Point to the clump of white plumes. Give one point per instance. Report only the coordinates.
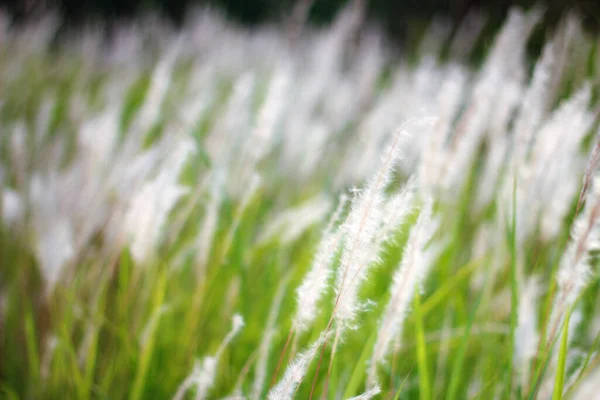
(546, 161)
(415, 264)
(316, 280)
(504, 62)
(204, 372)
(557, 153)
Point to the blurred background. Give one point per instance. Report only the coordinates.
(397, 17)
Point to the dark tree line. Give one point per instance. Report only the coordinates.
(394, 15)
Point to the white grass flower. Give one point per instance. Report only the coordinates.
(360, 230)
(434, 154)
(223, 141)
(534, 105)
(415, 264)
(316, 280)
(149, 113)
(54, 241)
(294, 373)
(395, 210)
(262, 139)
(369, 394)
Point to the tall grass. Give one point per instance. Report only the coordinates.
(222, 213)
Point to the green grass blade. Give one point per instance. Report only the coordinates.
(424, 382)
(33, 359)
(457, 365)
(514, 298)
(358, 374)
(397, 396)
(559, 380)
(148, 345)
(449, 287)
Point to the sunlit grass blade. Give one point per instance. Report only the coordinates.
(424, 382)
(559, 380)
(33, 359)
(358, 374)
(147, 347)
(514, 290)
(459, 358)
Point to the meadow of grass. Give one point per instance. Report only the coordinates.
(217, 213)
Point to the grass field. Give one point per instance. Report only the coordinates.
(218, 213)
